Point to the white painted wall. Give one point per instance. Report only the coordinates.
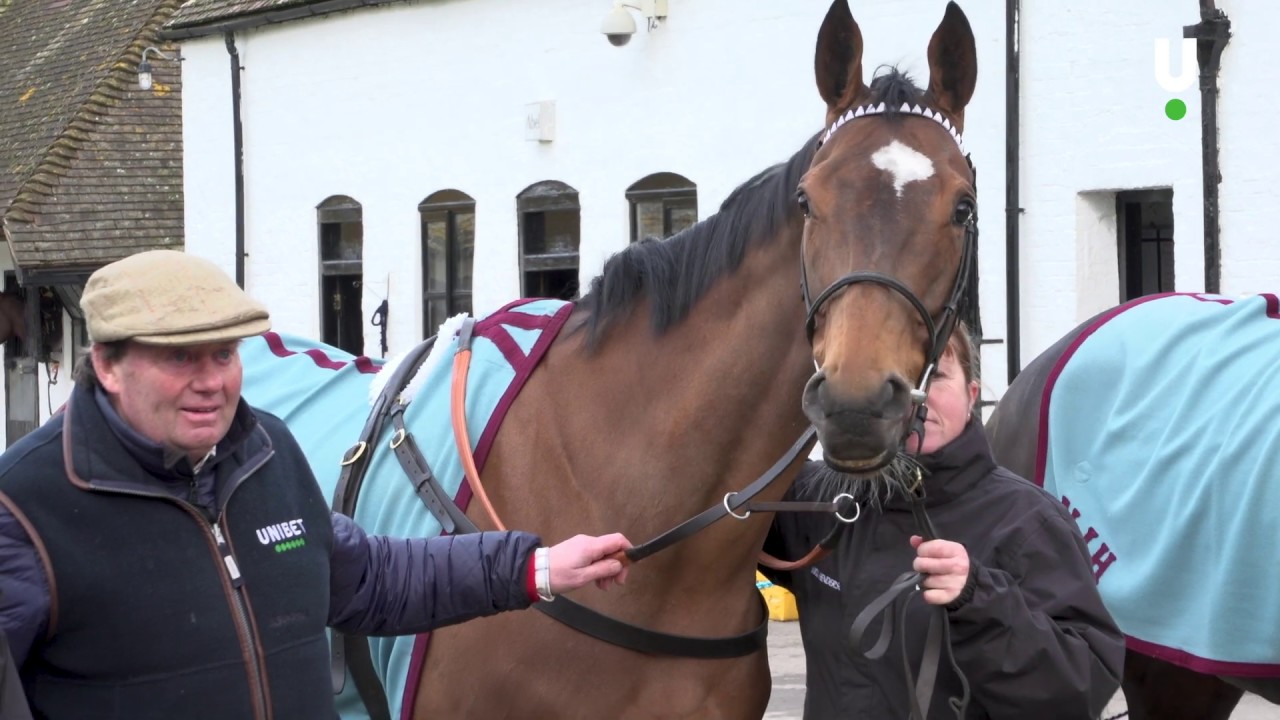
(1248, 117)
(390, 104)
(1093, 123)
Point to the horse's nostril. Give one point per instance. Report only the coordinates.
(817, 383)
(885, 396)
(901, 388)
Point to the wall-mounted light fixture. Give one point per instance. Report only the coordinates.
(619, 26)
(144, 68)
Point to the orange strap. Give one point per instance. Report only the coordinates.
(458, 398)
(817, 553)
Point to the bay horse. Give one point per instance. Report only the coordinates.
(13, 322)
(1154, 422)
(685, 372)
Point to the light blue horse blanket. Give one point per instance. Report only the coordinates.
(324, 395)
(1159, 431)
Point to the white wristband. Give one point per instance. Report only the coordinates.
(542, 573)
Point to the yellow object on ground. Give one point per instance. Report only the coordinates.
(782, 604)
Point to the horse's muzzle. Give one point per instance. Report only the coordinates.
(858, 435)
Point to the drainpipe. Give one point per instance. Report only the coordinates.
(1012, 211)
(238, 153)
(1211, 35)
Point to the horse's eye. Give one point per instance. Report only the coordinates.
(803, 200)
(963, 212)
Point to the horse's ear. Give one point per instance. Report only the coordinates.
(953, 64)
(837, 62)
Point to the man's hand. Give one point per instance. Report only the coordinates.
(582, 559)
(945, 565)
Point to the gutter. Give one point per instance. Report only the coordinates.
(247, 22)
(1012, 210)
(237, 132)
(1211, 35)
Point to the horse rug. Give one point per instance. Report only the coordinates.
(324, 394)
(1159, 433)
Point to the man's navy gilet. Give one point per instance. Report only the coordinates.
(144, 618)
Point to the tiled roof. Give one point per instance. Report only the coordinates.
(199, 17)
(90, 166)
(200, 12)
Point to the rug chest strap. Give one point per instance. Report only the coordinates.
(350, 651)
(425, 485)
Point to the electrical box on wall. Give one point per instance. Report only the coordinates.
(540, 121)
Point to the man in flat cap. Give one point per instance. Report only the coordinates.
(131, 581)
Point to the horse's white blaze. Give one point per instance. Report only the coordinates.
(904, 163)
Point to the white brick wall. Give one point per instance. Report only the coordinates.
(1093, 120)
(390, 104)
(1249, 118)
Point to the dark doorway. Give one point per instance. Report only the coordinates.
(342, 326)
(341, 273)
(1144, 224)
(21, 379)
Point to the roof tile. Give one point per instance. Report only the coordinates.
(90, 166)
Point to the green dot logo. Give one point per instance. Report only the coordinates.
(1175, 109)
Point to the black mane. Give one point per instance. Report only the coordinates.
(894, 87)
(676, 272)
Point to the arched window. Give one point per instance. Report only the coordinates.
(662, 204)
(341, 253)
(448, 250)
(550, 232)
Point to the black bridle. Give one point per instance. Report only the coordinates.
(938, 638)
(939, 332)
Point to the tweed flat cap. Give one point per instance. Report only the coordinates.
(165, 297)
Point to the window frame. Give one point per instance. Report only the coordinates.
(542, 197)
(672, 190)
(451, 204)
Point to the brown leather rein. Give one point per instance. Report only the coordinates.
(733, 501)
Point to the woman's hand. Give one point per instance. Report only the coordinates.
(583, 559)
(945, 565)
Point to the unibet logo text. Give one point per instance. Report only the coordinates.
(1176, 109)
(285, 536)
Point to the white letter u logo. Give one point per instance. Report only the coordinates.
(1187, 77)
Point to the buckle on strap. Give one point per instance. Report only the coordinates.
(353, 453)
(729, 510)
(857, 509)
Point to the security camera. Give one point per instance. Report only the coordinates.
(618, 26)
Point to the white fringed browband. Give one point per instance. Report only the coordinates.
(906, 108)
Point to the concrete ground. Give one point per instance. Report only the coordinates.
(786, 659)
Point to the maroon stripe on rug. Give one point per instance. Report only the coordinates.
(1202, 665)
(521, 320)
(1042, 441)
(1206, 298)
(507, 345)
(523, 369)
(363, 363)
